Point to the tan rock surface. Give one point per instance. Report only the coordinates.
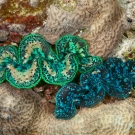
(25, 113)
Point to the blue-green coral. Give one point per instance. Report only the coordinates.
(115, 77)
(35, 60)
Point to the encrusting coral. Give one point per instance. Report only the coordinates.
(25, 113)
(102, 22)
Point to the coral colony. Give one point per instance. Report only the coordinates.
(35, 60)
(67, 67)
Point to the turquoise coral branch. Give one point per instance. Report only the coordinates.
(35, 60)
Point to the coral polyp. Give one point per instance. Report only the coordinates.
(35, 60)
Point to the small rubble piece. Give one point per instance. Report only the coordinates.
(50, 93)
(17, 27)
(133, 92)
(33, 3)
(47, 91)
(14, 37)
(2, 2)
(3, 35)
(39, 90)
(110, 100)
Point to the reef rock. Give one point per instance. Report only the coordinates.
(100, 22)
(25, 113)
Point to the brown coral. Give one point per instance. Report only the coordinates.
(25, 113)
(103, 23)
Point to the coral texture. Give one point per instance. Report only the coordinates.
(24, 113)
(102, 22)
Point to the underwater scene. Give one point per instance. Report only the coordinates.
(67, 67)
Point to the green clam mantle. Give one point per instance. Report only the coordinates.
(35, 60)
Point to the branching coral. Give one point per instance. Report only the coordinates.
(35, 60)
(103, 20)
(115, 77)
(24, 113)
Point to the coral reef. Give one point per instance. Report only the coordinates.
(50, 93)
(17, 27)
(102, 22)
(35, 60)
(33, 3)
(25, 113)
(115, 78)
